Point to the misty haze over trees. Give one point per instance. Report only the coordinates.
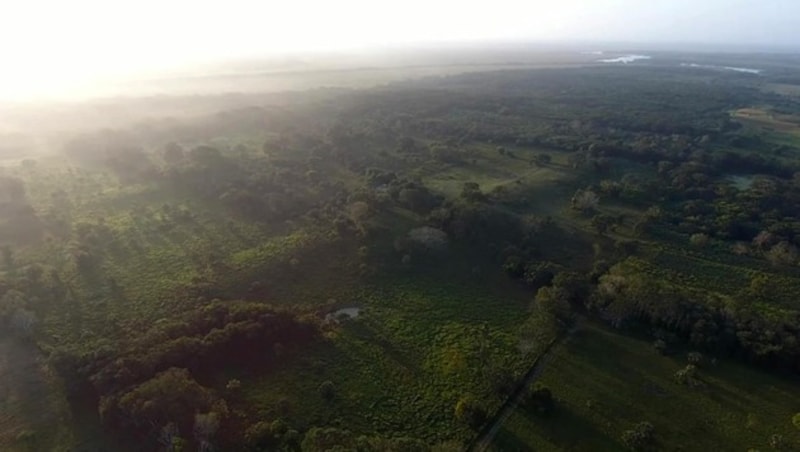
(494, 246)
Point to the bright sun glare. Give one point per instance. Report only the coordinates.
(56, 48)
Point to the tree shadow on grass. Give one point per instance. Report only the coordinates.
(567, 430)
(509, 441)
(366, 333)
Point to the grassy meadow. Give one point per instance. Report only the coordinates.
(605, 383)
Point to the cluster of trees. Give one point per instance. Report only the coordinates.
(682, 130)
(724, 326)
(470, 412)
(641, 437)
(152, 385)
(15, 316)
(516, 242)
(260, 188)
(695, 187)
(26, 292)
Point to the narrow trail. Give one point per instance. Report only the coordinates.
(489, 431)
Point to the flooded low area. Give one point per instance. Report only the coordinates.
(741, 182)
(625, 59)
(351, 312)
(745, 70)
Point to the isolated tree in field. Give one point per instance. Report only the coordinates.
(205, 427)
(233, 387)
(784, 253)
(539, 274)
(752, 422)
(170, 396)
(777, 442)
(169, 438)
(575, 286)
(740, 249)
(699, 240)
(471, 191)
(653, 213)
(761, 287)
(358, 212)
(585, 201)
(469, 412)
(640, 437)
(796, 420)
(687, 375)
(430, 239)
(694, 358)
(763, 240)
(260, 436)
(554, 301)
(610, 188)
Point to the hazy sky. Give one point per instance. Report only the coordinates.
(47, 44)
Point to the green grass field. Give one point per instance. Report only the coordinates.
(421, 342)
(490, 170)
(605, 383)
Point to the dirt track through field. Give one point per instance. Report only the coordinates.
(489, 431)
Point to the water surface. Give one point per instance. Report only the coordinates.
(625, 59)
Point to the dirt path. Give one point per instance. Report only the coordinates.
(488, 432)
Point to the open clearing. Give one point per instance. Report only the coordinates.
(602, 379)
(769, 120)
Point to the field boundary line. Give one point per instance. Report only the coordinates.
(487, 434)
